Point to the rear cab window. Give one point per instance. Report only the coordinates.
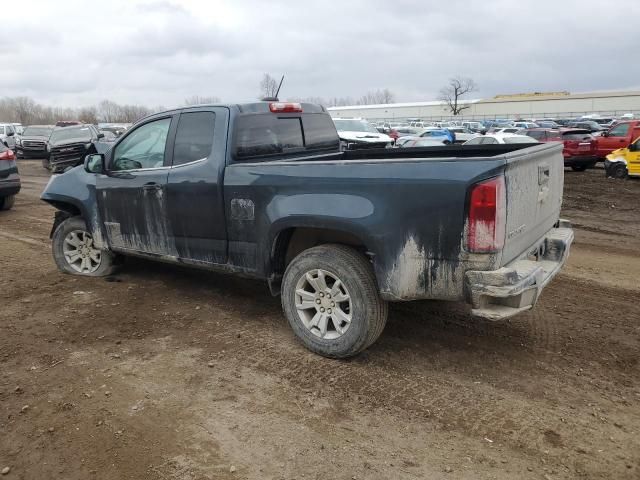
(262, 136)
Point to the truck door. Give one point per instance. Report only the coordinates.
(132, 194)
(617, 137)
(195, 208)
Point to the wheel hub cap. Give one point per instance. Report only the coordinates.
(323, 304)
(80, 253)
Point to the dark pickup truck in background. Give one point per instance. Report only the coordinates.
(69, 145)
(263, 190)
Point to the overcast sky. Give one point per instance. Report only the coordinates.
(76, 52)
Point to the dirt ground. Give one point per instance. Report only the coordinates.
(163, 372)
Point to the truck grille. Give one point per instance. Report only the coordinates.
(33, 145)
(365, 145)
(68, 153)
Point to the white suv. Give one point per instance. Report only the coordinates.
(8, 134)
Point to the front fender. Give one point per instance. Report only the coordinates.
(75, 192)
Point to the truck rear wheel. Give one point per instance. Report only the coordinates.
(578, 168)
(330, 298)
(74, 251)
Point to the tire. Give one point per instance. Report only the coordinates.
(618, 171)
(366, 310)
(578, 168)
(6, 203)
(91, 265)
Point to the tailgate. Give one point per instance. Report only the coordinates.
(534, 180)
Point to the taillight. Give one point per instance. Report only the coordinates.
(7, 155)
(285, 107)
(487, 216)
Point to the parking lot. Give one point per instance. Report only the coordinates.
(171, 373)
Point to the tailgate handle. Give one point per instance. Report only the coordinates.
(543, 174)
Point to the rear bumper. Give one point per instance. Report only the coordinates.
(9, 187)
(516, 287)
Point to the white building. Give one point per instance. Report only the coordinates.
(533, 105)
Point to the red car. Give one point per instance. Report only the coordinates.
(618, 136)
(580, 147)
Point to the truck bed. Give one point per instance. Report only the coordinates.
(407, 206)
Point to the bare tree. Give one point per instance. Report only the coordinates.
(109, 111)
(87, 115)
(198, 100)
(268, 86)
(450, 95)
(376, 97)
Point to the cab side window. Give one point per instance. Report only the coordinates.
(143, 148)
(619, 130)
(194, 138)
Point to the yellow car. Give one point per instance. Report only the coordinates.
(624, 161)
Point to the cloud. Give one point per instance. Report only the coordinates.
(71, 52)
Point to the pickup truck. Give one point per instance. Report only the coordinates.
(263, 190)
(619, 136)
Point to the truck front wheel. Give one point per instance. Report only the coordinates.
(74, 251)
(330, 298)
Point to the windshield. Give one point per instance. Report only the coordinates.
(354, 126)
(67, 133)
(37, 131)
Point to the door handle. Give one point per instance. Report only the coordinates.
(150, 186)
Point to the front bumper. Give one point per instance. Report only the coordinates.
(516, 287)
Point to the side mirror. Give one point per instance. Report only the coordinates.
(605, 134)
(10, 134)
(101, 135)
(633, 147)
(94, 163)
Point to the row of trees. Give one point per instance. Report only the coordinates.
(28, 112)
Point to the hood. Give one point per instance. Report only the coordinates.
(364, 136)
(621, 152)
(69, 141)
(40, 138)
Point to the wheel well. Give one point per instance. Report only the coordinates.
(66, 207)
(292, 241)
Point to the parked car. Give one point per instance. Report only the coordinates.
(33, 142)
(356, 133)
(434, 133)
(624, 161)
(421, 142)
(500, 139)
(461, 134)
(496, 130)
(9, 177)
(580, 147)
(564, 122)
(335, 233)
(475, 127)
(547, 124)
(67, 123)
(619, 136)
(525, 125)
(68, 146)
(590, 125)
(7, 135)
